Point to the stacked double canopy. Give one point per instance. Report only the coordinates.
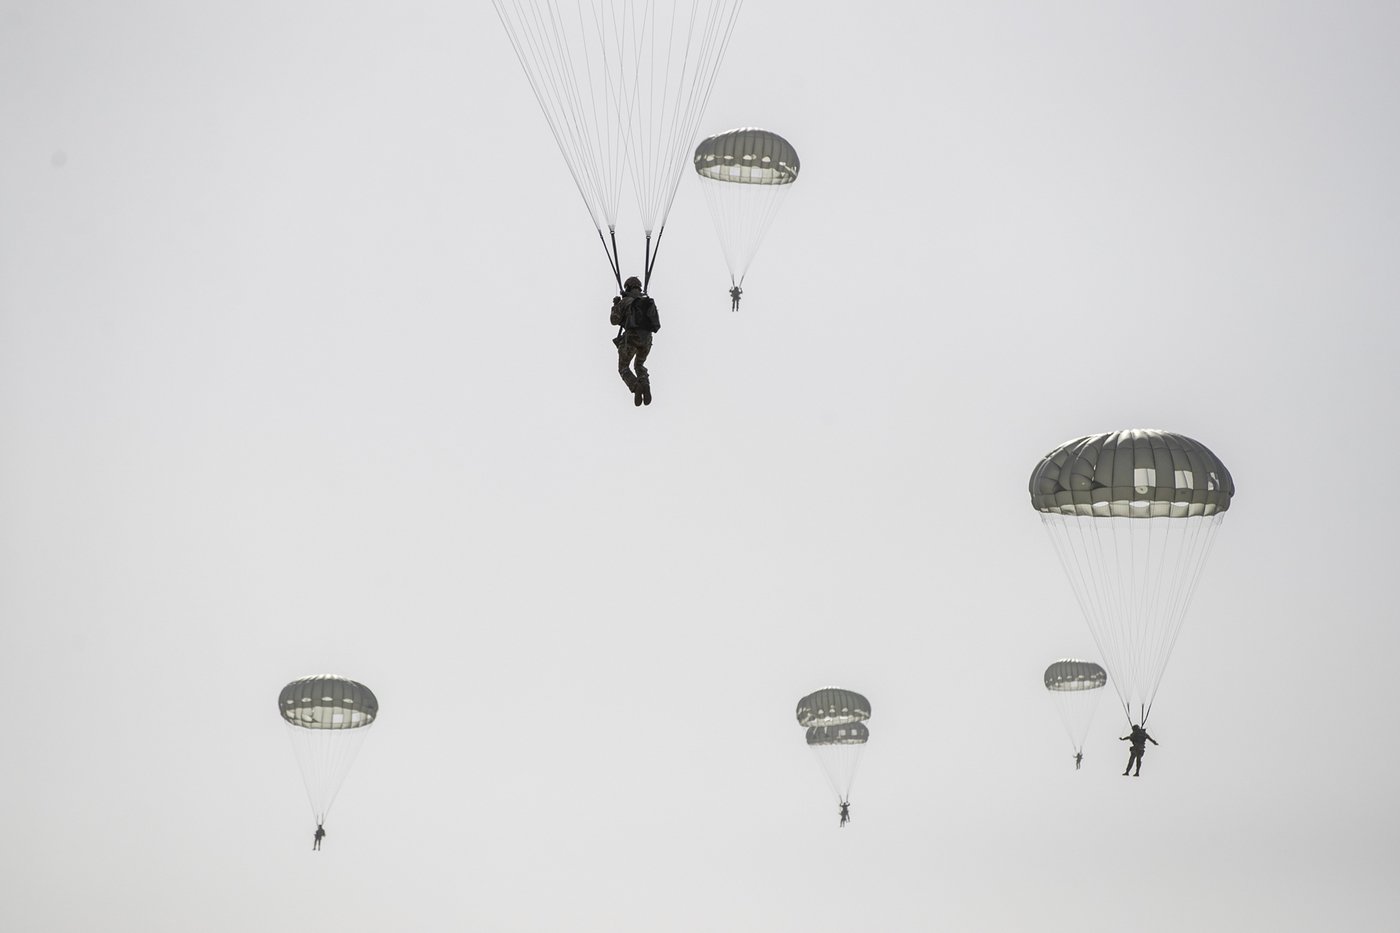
(836, 733)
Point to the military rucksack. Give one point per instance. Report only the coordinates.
(639, 313)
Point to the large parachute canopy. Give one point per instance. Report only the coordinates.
(622, 84)
(1132, 515)
(1075, 688)
(745, 175)
(836, 734)
(327, 718)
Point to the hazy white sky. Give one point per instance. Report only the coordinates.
(304, 366)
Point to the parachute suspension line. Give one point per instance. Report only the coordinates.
(651, 256)
(544, 45)
(1195, 555)
(612, 255)
(1080, 583)
(1088, 575)
(325, 757)
(546, 75)
(839, 763)
(1134, 579)
(660, 150)
(742, 215)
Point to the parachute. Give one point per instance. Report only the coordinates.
(327, 717)
(745, 174)
(622, 82)
(1075, 688)
(1132, 516)
(836, 734)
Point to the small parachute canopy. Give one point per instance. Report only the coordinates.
(832, 706)
(852, 733)
(327, 701)
(748, 156)
(1132, 474)
(1075, 690)
(745, 175)
(1071, 676)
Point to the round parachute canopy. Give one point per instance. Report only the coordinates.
(1071, 676)
(748, 156)
(832, 706)
(745, 175)
(1132, 474)
(1132, 515)
(852, 733)
(327, 701)
(1075, 690)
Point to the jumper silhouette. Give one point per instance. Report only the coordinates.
(316, 840)
(845, 812)
(1078, 757)
(1139, 738)
(636, 316)
(735, 294)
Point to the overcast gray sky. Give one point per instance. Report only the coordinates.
(304, 367)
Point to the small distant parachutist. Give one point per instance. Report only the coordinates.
(327, 717)
(845, 812)
(1075, 687)
(745, 175)
(1139, 739)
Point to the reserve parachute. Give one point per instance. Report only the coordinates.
(327, 717)
(745, 175)
(623, 85)
(1132, 516)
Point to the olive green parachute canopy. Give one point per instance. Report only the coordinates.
(832, 706)
(1132, 474)
(852, 733)
(327, 701)
(1071, 676)
(1132, 515)
(327, 717)
(1076, 688)
(748, 156)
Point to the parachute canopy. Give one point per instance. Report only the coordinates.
(852, 733)
(832, 706)
(1070, 676)
(1132, 515)
(1075, 689)
(327, 701)
(1132, 474)
(747, 156)
(327, 717)
(836, 734)
(745, 174)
